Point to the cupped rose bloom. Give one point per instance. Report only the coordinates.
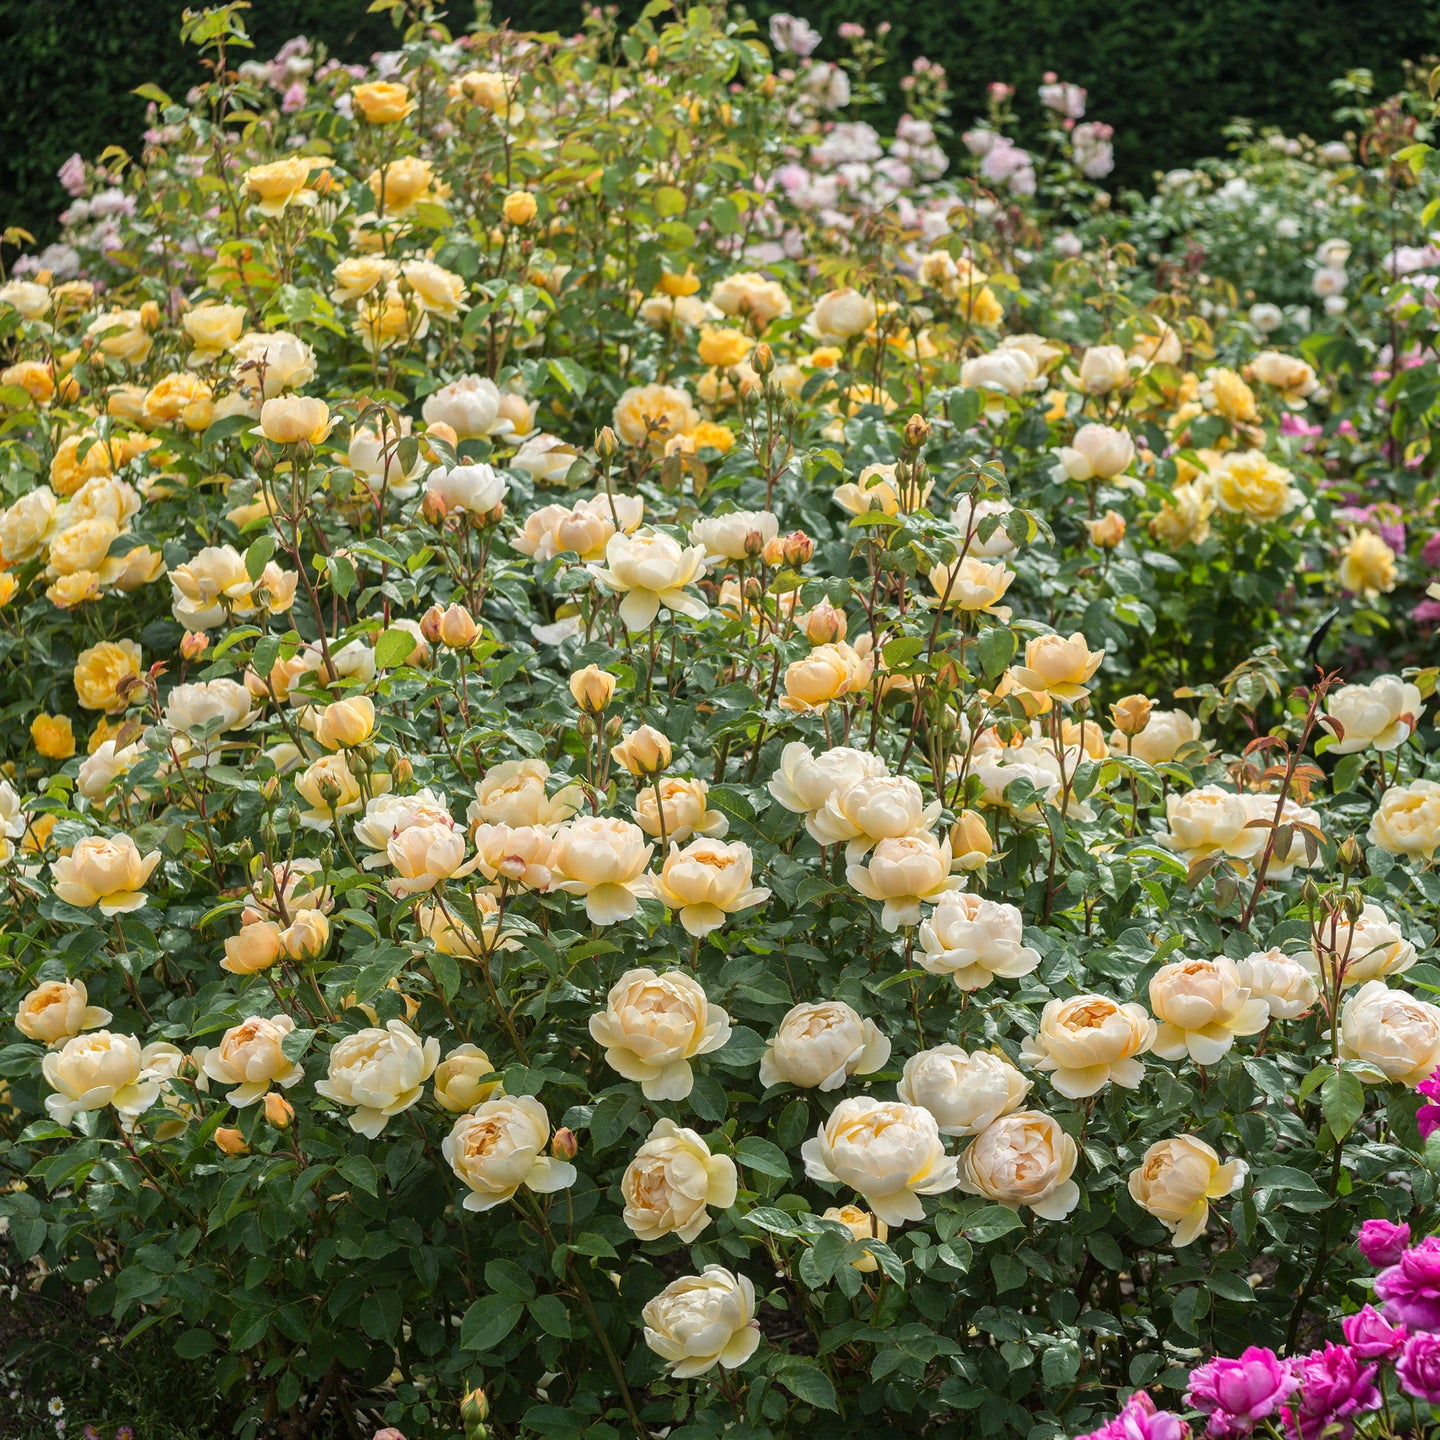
(1407, 820)
(293, 419)
(1280, 980)
(546, 459)
(1418, 1369)
(379, 1073)
(820, 1044)
(1410, 1287)
(213, 328)
(1175, 1181)
(26, 525)
(1086, 1042)
(707, 881)
(740, 535)
(1392, 1032)
(1335, 1385)
(653, 412)
(1202, 1007)
(969, 517)
(257, 947)
(499, 1147)
(840, 316)
(56, 1010)
(672, 1182)
(1057, 666)
(1369, 948)
(700, 1321)
(1382, 1242)
(805, 781)
(209, 706)
(1211, 821)
(965, 1092)
(1004, 372)
(972, 585)
(973, 940)
(1239, 1394)
(643, 751)
(251, 1057)
(424, 856)
(101, 672)
(1371, 1336)
(1245, 483)
(1023, 1158)
(889, 1152)
(881, 807)
(903, 873)
(681, 805)
(513, 793)
(650, 570)
(826, 674)
(1292, 377)
(464, 1079)
(266, 364)
(1164, 735)
(1367, 565)
(386, 815)
(862, 1226)
(106, 871)
(750, 296)
(654, 1025)
(1381, 715)
(515, 855)
(467, 489)
(604, 860)
(89, 1072)
(1099, 452)
(469, 405)
(582, 529)
(1102, 368)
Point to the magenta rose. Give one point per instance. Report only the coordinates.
(1419, 1368)
(1372, 1336)
(1335, 1385)
(1382, 1243)
(1238, 1394)
(1140, 1420)
(1410, 1287)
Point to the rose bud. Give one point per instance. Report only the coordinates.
(1132, 714)
(194, 644)
(592, 688)
(231, 1141)
(278, 1111)
(563, 1144)
(642, 752)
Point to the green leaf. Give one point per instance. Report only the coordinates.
(192, 1344)
(570, 375)
(995, 647)
(394, 648)
(763, 1156)
(1342, 1102)
(808, 1382)
(991, 1223)
(342, 574)
(358, 1170)
(257, 557)
(767, 1217)
(487, 1322)
(296, 1043)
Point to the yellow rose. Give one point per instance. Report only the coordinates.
(654, 1025)
(74, 589)
(492, 91)
(1088, 1041)
(650, 571)
(700, 1321)
(840, 316)
(681, 803)
(346, 724)
(964, 1092)
(519, 207)
(604, 860)
(1223, 390)
(402, 183)
(268, 362)
(1371, 947)
(90, 1072)
(499, 1147)
(1246, 483)
(1024, 1158)
(643, 752)
(424, 856)
(653, 412)
(379, 1074)
(249, 1057)
(723, 349)
(306, 936)
(821, 1045)
(81, 546)
(1202, 1007)
(827, 673)
(903, 872)
(1280, 980)
(179, 397)
(382, 102)
(513, 793)
(1102, 368)
(745, 294)
(53, 736)
(291, 419)
(515, 855)
(122, 335)
(1392, 1032)
(1407, 820)
(1184, 519)
(464, 1079)
(1367, 565)
(56, 1010)
(973, 585)
(1057, 666)
(109, 872)
(862, 1226)
(213, 328)
(1293, 378)
(438, 291)
(671, 1183)
(1162, 735)
(889, 1152)
(282, 183)
(255, 948)
(1177, 1178)
(35, 377)
(592, 689)
(330, 788)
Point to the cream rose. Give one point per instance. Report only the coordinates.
(840, 316)
(862, 1226)
(1407, 820)
(1175, 1181)
(250, 1056)
(513, 793)
(1165, 733)
(740, 535)
(469, 405)
(266, 364)
(804, 781)
(1099, 452)
(106, 871)
(819, 1045)
(516, 855)
(1211, 821)
(707, 881)
(650, 570)
(1087, 1041)
(1203, 1007)
(424, 856)
(672, 1182)
(386, 815)
(379, 1073)
(1381, 715)
(682, 806)
(973, 940)
(653, 412)
(872, 809)
(902, 874)
(56, 1010)
(92, 1071)
(1370, 948)
(464, 1079)
(700, 1321)
(499, 1147)
(1024, 1158)
(889, 1152)
(965, 1092)
(654, 1025)
(1280, 980)
(1058, 666)
(1390, 1031)
(604, 860)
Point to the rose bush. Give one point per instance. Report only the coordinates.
(669, 774)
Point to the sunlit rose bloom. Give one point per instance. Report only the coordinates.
(1166, 732)
(379, 1073)
(513, 793)
(1099, 452)
(358, 275)
(343, 724)
(89, 1072)
(1175, 1181)
(467, 489)
(546, 459)
(650, 570)
(653, 412)
(1059, 666)
(683, 808)
(737, 536)
(826, 674)
(805, 781)
(179, 398)
(872, 809)
(1370, 948)
(972, 585)
(29, 297)
(329, 787)
(964, 1092)
(294, 885)
(877, 487)
(1023, 1158)
(820, 1045)
(82, 546)
(56, 1010)
(490, 90)
(974, 940)
(499, 1147)
(1381, 715)
(752, 297)
(902, 874)
(1202, 1007)
(267, 363)
(1293, 378)
(1390, 1031)
(654, 1025)
(436, 290)
(27, 524)
(604, 860)
(1002, 372)
(424, 856)
(1184, 519)
(1102, 369)
(209, 707)
(1246, 483)
(642, 752)
(1280, 980)
(515, 855)
(209, 584)
(889, 1152)
(374, 453)
(700, 1321)
(1157, 343)
(671, 1183)
(1089, 1041)
(840, 316)
(281, 183)
(1210, 821)
(583, 529)
(1367, 565)
(1223, 391)
(1407, 820)
(969, 517)
(257, 947)
(451, 935)
(105, 871)
(464, 1079)
(404, 183)
(251, 1058)
(122, 335)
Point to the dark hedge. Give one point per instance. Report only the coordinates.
(1167, 76)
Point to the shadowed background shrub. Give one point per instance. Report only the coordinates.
(1168, 77)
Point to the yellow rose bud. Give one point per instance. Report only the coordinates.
(519, 207)
(723, 348)
(347, 723)
(1132, 714)
(278, 1111)
(290, 419)
(231, 1141)
(1106, 532)
(643, 752)
(53, 736)
(382, 102)
(593, 689)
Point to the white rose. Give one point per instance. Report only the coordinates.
(1280, 980)
(468, 489)
(964, 1092)
(700, 1321)
(1382, 715)
(654, 1025)
(672, 1181)
(804, 781)
(820, 1045)
(470, 406)
(973, 940)
(380, 1073)
(1390, 1030)
(499, 1147)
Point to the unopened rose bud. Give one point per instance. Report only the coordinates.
(231, 1141)
(402, 772)
(270, 789)
(797, 547)
(1108, 531)
(194, 644)
(279, 1112)
(1352, 905)
(564, 1145)
(754, 544)
(826, 624)
(437, 430)
(774, 553)
(592, 688)
(762, 359)
(475, 1407)
(306, 936)
(607, 443)
(1310, 892)
(434, 508)
(1132, 714)
(1350, 856)
(970, 841)
(458, 629)
(430, 623)
(643, 752)
(917, 432)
